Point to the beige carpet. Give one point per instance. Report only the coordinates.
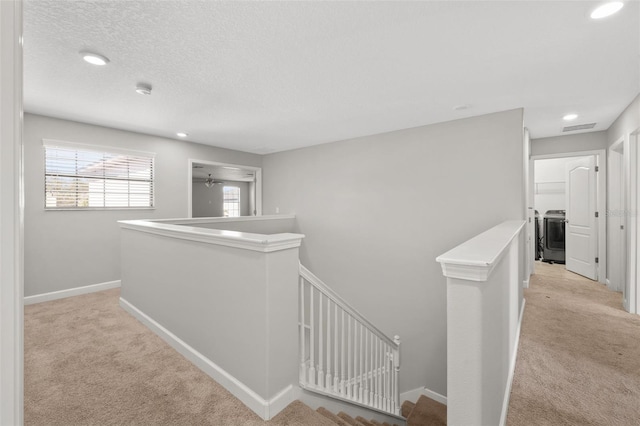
(579, 355)
(87, 362)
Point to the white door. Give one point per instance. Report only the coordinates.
(581, 231)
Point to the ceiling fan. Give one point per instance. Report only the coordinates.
(209, 182)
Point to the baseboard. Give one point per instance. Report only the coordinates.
(76, 291)
(263, 408)
(512, 369)
(414, 394)
(525, 283)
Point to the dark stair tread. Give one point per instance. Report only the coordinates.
(328, 414)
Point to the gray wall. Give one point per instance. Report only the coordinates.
(207, 202)
(627, 123)
(378, 210)
(67, 249)
(569, 143)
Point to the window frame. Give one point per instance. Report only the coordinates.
(238, 202)
(83, 147)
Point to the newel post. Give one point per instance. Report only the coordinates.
(482, 313)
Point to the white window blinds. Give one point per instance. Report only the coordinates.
(85, 176)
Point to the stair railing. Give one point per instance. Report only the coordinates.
(343, 355)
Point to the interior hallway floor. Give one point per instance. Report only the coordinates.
(579, 354)
(88, 362)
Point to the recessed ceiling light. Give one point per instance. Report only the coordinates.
(94, 58)
(231, 168)
(570, 117)
(606, 9)
(182, 134)
(143, 89)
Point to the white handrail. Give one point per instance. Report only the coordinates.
(342, 354)
(322, 287)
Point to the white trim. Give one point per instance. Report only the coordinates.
(414, 394)
(601, 162)
(265, 409)
(525, 283)
(474, 259)
(187, 221)
(243, 240)
(70, 292)
(258, 183)
(512, 368)
(54, 143)
(11, 215)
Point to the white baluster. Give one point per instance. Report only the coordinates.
(303, 364)
(372, 366)
(328, 378)
(367, 366)
(320, 342)
(361, 391)
(336, 378)
(342, 363)
(396, 374)
(349, 357)
(312, 340)
(380, 363)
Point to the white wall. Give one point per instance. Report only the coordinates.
(378, 210)
(621, 129)
(67, 249)
(550, 185)
(626, 123)
(208, 202)
(11, 244)
(569, 143)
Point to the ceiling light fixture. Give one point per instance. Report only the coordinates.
(606, 9)
(231, 168)
(143, 89)
(94, 58)
(182, 134)
(209, 182)
(570, 117)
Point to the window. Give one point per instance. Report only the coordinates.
(85, 176)
(231, 201)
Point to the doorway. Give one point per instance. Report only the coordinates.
(571, 187)
(223, 190)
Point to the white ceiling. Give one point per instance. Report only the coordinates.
(269, 76)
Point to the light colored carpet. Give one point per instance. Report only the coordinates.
(579, 356)
(88, 362)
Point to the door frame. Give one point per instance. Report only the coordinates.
(11, 216)
(633, 210)
(601, 204)
(258, 188)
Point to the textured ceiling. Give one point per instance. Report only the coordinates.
(270, 76)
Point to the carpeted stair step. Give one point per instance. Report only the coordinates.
(328, 414)
(406, 408)
(427, 412)
(375, 423)
(350, 420)
(364, 421)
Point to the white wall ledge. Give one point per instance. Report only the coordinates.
(474, 259)
(186, 221)
(243, 240)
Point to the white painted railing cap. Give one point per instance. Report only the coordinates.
(474, 259)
